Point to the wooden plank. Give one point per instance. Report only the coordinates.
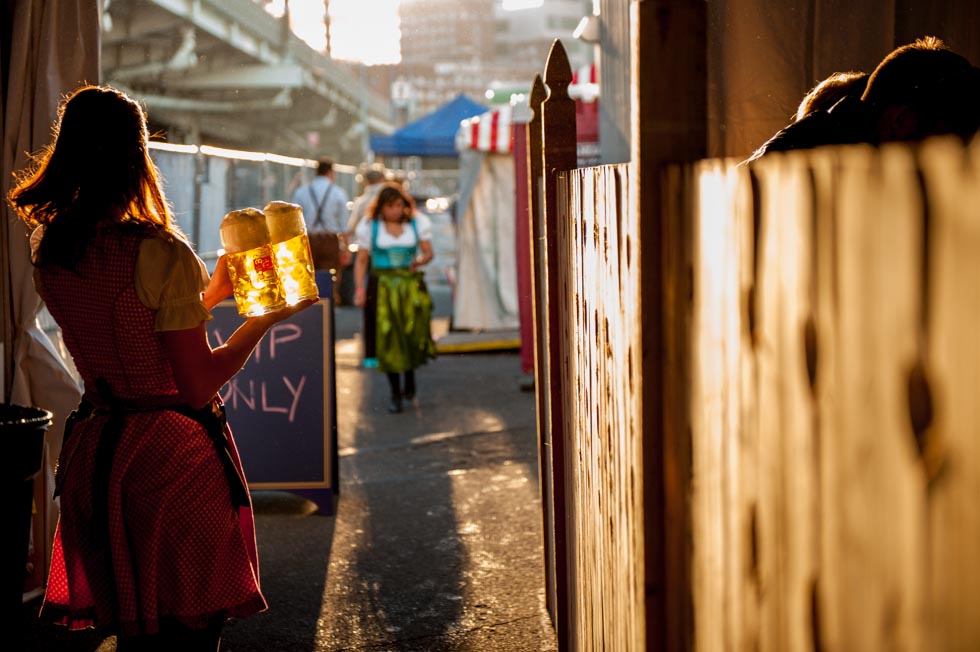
(875, 506)
(603, 416)
(713, 388)
(616, 391)
(743, 546)
(673, 535)
(789, 496)
(952, 352)
(825, 613)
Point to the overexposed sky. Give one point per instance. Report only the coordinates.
(360, 30)
(517, 5)
(365, 30)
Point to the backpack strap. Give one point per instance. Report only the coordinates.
(319, 206)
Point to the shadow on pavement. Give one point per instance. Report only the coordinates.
(294, 555)
(396, 573)
(437, 545)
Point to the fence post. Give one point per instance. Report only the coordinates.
(669, 125)
(558, 157)
(536, 225)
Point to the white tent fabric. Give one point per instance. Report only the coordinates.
(54, 47)
(485, 296)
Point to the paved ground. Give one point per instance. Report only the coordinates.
(436, 544)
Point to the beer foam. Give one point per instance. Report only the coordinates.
(244, 229)
(285, 220)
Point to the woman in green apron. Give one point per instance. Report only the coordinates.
(398, 244)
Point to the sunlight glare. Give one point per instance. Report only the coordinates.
(306, 19)
(276, 7)
(517, 5)
(368, 32)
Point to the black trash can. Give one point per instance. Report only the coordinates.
(22, 440)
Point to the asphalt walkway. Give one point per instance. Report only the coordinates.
(436, 543)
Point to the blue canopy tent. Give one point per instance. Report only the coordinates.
(431, 135)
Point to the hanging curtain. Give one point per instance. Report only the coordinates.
(47, 50)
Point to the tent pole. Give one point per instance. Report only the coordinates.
(6, 291)
(6, 342)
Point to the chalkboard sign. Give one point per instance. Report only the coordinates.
(281, 405)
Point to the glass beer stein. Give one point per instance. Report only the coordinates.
(291, 245)
(251, 263)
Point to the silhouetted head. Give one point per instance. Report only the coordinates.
(98, 168)
(919, 90)
(831, 90)
(846, 122)
(924, 89)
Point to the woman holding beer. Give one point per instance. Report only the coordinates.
(156, 539)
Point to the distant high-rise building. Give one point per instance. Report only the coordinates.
(468, 46)
(524, 36)
(435, 31)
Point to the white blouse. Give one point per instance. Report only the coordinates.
(386, 241)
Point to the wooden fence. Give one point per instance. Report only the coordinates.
(834, 372)
(588, 369)
(808, 476)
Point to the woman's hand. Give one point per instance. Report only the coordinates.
(219, 287)
(360, 297)
(425, 255)
(269, 319)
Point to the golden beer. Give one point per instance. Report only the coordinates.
(251, 263)
(287, 230)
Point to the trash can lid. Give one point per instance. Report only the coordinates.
(18, 415)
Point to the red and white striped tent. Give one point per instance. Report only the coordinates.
(585, 75)
(585, 84)
(488, 132)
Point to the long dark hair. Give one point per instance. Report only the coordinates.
(97, 169)
(392, 192)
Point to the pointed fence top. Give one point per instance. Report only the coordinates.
(538, 94)
(557, 72)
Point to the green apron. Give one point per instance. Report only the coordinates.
(404, 312)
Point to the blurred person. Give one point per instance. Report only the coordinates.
(155, 540)
(830, 113)
(919, 90)
(394, 243)
(374, 177)
(324, 205)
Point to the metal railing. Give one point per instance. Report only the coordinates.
(203, 183)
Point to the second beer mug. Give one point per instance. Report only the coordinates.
(251, 263)
(291, 245)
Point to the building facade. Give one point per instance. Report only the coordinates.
(470, 46)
